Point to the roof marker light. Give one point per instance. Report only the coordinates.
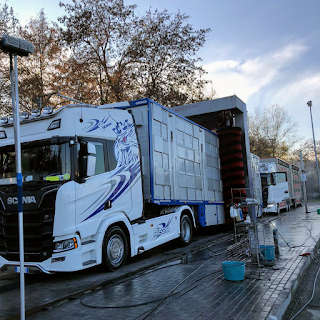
(24, 115)
(10, 118)
(35, 113)
(3, 135)
(3, 120)
(47, 110)
(54, 124)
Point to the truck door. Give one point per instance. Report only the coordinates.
(99, 190)
(280, 187)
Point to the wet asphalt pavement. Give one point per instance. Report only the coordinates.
(44, 290)
(176, 283)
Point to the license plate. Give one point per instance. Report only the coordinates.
(17, 269)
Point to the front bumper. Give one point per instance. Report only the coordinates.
(77, 259)
(270, 209)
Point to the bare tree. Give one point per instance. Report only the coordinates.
(308, 156)
(272, 132)
(99, 33)
(130, 57)
(105, 53)
(39, 74)
(8, 22)
(307, 149)
(80, 80)
(166, 69)
(8, 25)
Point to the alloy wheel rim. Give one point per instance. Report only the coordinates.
(185, 230)
(115, 249)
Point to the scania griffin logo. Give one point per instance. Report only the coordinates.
(27, 199)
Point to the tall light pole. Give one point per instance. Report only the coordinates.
(304, 185)
(309, 103)
(17, 47)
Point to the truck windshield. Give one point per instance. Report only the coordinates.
(42, 161)
(265, 180)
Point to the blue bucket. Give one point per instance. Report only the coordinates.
(268, 252)
(233, 270)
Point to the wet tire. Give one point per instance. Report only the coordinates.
(278, 209)
(185, 231)
(114, 249)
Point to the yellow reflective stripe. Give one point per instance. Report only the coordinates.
(53, 178)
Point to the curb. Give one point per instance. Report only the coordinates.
(280, 307)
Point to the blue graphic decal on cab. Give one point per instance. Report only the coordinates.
(128, 167)
(94, 124)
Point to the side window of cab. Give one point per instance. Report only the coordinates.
(95, 156)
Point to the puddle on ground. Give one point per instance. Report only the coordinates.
(201, 255)
(197, 256)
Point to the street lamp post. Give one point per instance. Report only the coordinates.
(304, 185)
(309, 103)
(17, 47)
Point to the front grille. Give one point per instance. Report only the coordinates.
(37, 228)
(265, 197)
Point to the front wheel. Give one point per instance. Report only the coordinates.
(185, 230)
(114, 249)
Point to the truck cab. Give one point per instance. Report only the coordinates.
(81, 173)
(275, 188)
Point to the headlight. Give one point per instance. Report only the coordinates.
(65, 245)
(271, 205)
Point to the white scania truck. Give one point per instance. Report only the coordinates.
(103, 183)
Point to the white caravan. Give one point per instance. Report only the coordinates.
(103, 183)
(275, 188)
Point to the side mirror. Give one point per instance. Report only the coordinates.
(91, 159)
(273, 179)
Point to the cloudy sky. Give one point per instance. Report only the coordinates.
(264, 51)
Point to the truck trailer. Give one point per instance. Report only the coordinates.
(228, 117)
(295, 189)
(103, 183)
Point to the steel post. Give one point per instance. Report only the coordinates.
(276, 242)
(304, 186)
(315, 148)
(15, 106)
